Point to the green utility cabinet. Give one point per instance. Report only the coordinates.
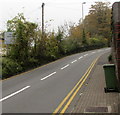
(110, 78)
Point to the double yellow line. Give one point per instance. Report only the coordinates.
(68, 99)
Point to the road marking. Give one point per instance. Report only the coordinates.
(85, 54)
(78, 88)
(14, 93)
(74, 61)
(65, 66)
(81, 57)
(36, 68)
(74, 88)
(80, 82)
(48, 75)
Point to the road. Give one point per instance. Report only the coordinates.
(43, 89)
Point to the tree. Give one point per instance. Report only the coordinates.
(24, 32)
(84, 41)
(51, 47)
(98, 22)
(59, 37)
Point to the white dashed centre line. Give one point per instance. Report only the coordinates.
(81, 57)
(65, 66)
(14, 93)
(85, 54)
(48, 76)
(74, 61)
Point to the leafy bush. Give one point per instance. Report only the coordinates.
(51, 48)
(99, 41)
(33, 62)
(110, 58)
(10, 67)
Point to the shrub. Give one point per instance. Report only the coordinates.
(33, 63)
(10, 67)
(110, 59)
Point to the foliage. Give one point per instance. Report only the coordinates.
(59, 37)
(98, 22)
(10, 67)
(23, 32)
(98, 41)
(30, 49)
(51, 47)
(84, 40)
(110, 58)
(70, 46)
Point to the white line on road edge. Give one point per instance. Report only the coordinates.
(74, 61)
(81, 57)
(14, 93)
(48, 76)
(85, 54)
(65, 66)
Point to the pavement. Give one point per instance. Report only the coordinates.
(93, 98)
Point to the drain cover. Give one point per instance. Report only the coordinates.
(96, 110)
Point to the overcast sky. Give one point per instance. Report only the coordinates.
(59, 11)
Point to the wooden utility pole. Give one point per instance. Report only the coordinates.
(43, 4)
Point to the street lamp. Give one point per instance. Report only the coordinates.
(84, 42)
(83, 12)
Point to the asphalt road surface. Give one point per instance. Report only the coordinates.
(43, 89)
